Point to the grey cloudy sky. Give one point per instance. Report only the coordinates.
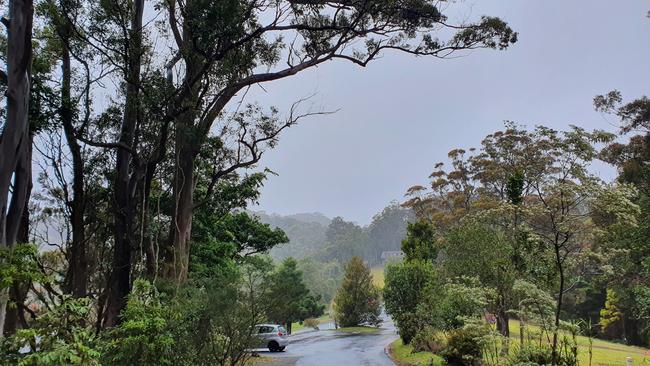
(401, 114)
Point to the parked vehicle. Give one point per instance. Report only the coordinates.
(272, 336)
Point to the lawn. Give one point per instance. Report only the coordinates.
(604, 353)
(378, 276)
(403, 355)
(325, 318)
(360, 329)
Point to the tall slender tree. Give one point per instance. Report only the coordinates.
(15, 142)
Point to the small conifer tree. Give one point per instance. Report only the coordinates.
(357, 300)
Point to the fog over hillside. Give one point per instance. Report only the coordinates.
(306, 232)
(316, 236)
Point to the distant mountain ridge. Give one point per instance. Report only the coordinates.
(307, 217)
(306, 232)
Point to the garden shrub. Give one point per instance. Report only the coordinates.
(531, 354)
(61, 336)
(311, 323)
(429, 340)
(463, 347)
(143, 337)
(534, 354)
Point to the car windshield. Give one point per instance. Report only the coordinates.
(282, 329)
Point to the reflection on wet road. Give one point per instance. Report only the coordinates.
(331, 348)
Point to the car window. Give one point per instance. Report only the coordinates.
(266, 329)
(282, 329)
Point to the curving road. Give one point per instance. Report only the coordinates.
(331, 348)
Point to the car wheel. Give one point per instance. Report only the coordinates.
(280, 349)
(273, 346)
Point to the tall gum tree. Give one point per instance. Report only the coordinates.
(222, 48)
(15, 143)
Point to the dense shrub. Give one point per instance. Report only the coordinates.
(144, 336)
(463, 347)
(61, 336)
(404, 290)
(531, 354)
(311, 323)
(429, 340)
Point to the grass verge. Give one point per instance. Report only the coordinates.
(403, 355)
(365, 330)
(604, 353)
(325, 318)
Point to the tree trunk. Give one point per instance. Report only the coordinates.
(187, 145)
(503, 318)
(78, 260)
(183, 207)
(15, 134)
(558, 309)
(18, 291)
(124, 196)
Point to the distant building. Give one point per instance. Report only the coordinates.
(392, 255)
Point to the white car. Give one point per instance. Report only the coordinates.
(271, 336)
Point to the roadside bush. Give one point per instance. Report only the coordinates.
(143, 337)
(311, 323)
(61, 336)
(404, 290)
(463, 347)
(429, 340)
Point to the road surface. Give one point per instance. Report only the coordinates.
(332, 348)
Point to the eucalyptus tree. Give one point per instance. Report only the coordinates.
(536, 186)
(222, 48)
(626, 247)
(15, 142)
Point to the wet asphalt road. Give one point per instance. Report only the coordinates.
(331, 348)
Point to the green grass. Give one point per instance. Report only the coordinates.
(378, 276)
(403, 355)
(325, 318)
(604, 353)
(361, 329)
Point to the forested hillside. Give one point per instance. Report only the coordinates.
(306, 233)
(322, 246)
(315, 236)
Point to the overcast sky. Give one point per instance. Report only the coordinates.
(401, 115)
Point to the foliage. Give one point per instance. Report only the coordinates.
(344, 241)
(463, 347)
(531, 354)
(311, 323)
(233, 237)
(144, 336)
(386, 231)
(610, 316)
(404, 290)
(357, 300)
(534, 305)
(17, 264)
(61, 336)
(321, 278)
(290, 299)
(420, 241)
(428, 339)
